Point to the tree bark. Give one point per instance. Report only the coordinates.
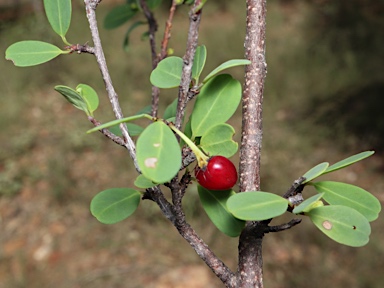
(250, 268)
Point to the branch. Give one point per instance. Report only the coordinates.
(283, 227)
(90, 6)
(186, 76)
(250, 267)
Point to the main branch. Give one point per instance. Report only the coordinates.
(250, 242)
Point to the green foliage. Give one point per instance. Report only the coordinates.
(348, 161)
(128, 33)
(167, 73)
(143, 182)
(218, 140)
(226, 65)
(133, 129)
(114, 205)
(119, 15)
(215, 104)
(342, 224)
(199, 62)
(308, 204)
(30, 53)
(59, 16)
(315, 172)
(336, 193)
(256, 205)
(158, 153)
(171, 110)
(214, 204)
(84, 97)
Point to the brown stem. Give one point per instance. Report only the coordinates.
(167, 31)
(250, 267)
(90, 6)
(186, 76)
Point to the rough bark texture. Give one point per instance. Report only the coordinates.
(250, 266)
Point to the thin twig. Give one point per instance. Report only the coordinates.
(107, 133)
(283, 227)
(186, 76)
(90, 6)
(167, 32)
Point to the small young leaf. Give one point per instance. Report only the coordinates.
(348, 161)
(30, 53)
(170, 111)
(315, 172)
(308, 204)
(158, 153)
(215, 104)
(133, 129)
(256, 205)
(119, 15)
(90, 97)
(199, 62)
(73, 97)
(337, 193)
(214, 204)
(342, 224)
(143, 182)
(59, 15)
(218, 141)
(226, 65)
(114, 205)
(167, 73)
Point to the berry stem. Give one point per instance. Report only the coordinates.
(202, 159)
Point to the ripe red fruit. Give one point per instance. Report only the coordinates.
(219, 174)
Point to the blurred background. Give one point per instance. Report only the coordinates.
(323, 102)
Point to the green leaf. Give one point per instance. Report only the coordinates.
(143, 182)
(73, 97)
(226, 65)
(214, 204)
(342, 224)
(128, 33)
(167, 73)
(145, 110)
(119, 15)
(133, 129)
(215, 104)
(337, 193)
(348, 161)
(199, 62)
(171, 110)
(218, 140)
(256, 205)
(118, 121)
(158, 153)
(90, 97)
(59, 15)
(308, 204)
(114, 205)
(30, 53)
(315, 172)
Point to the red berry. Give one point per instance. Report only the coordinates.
(219, 174)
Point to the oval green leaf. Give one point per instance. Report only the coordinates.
(226, 65)
(170, 111)
(308, 204)
(315, 172)
(90, 97)
(215, 104)
(214, 204)
(337, 193)
(167, 74)
(143, 182)
(342, 224)
(199, 62)
(59, 15)
(114, 205)
(218, 141)
(30, 53)
(348, 161)
(119, 15)
(158, 153)
(133, 129)
(73, 97)
(256, 205)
